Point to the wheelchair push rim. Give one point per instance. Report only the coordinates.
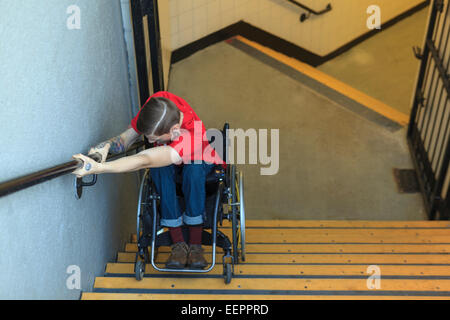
(237, 212)
(140, 205)
(139, 263)
(142, 255)
(240, 200)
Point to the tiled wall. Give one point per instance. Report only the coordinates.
(193, 19)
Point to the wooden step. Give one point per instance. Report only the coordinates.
(243, 286)
(288, 260)
(329, 248)
(434, 271)
(169, 296)
(305, 258)
(331, 236)
(342, 224)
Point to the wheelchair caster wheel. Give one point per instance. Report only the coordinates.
(139, 270)
(228, 273)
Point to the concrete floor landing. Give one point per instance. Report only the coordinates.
(335, 163)
(384, 66)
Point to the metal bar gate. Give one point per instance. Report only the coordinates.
(428, 131)
(140, 9)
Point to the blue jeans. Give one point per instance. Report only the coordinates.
(194, 179)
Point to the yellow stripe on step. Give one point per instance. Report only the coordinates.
(329, 248)
(270, 284)
(303, 270)
(318, 258)
(337, 232)
(333, 83)
(389, 233)
(303, 237)
(342, 224)
(131, 296)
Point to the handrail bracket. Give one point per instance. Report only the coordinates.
(310, 11)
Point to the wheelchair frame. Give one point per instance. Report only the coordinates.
(230, 192)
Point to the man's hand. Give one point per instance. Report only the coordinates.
(102, 149)
(150, 158)
(90, 166)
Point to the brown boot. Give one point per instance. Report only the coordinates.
(196, 260)
(178, 256)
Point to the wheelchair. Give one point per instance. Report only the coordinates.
(224, 201)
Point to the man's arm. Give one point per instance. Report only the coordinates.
(116, 145)
(122, 142)
(150, 158)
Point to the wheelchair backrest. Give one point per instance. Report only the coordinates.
(211, 134)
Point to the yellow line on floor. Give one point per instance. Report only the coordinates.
(333, 83)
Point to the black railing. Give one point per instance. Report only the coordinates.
(306, 16)
(32, 179)
(139, 10)
(428, 131)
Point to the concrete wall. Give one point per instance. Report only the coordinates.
(193, 19)
(131, 57)
(61, 91)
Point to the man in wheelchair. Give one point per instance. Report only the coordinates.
(168, 122)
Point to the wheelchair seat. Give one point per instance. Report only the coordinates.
(212, 180)
(211, 186)
(217, 173)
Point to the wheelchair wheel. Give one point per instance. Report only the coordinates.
(142, 205)
(139, 269)
(142, 256)
(240, 200)
(234, 213)
(228, 273)
(237, 213)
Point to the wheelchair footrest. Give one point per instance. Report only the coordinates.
(222, 240)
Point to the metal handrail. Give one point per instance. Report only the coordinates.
(38, 177)
(305, 16)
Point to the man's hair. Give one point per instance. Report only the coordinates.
(157, 116)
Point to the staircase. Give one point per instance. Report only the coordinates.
(304, 260)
